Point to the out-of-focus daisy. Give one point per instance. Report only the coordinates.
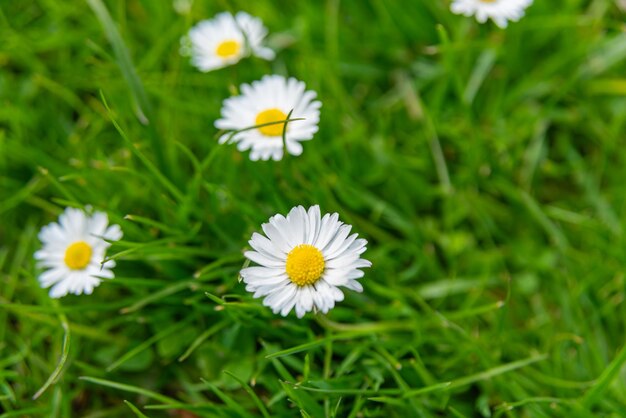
(262, 103)
(73, 252)
(224, 40)
(500, 11)
(303, 260)
(182, 7)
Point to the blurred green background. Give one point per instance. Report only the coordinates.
(486, 168)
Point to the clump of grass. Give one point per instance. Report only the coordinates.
(485, 167)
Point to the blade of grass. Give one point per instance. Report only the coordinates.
(486, 375)
(230, 402)
(483, 66)
(65, 351)
(129, 388)
(160, 177)
(153, 297)
(202, 338)
(124, 61)
(135, 410)
(603, 382)
(252, 394)
(144, 345)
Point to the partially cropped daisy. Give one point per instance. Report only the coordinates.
(500, 11)
(303, 261)
(224, 40)
(73, 252)
(257, 112)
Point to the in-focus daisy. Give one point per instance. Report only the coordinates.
(224, 40)
(500, 11)
(303, 260)
(73, 252)
(263, 102)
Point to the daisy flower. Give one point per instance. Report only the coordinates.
(262, 103)
(500, 11)
(73, 252)
(303, 260)
(224, 40)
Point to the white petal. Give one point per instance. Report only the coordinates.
(276, 237)
(267, 282)
(263, 260)
(266, 247)
(52, 276)
(261, 272)
(314, 221)
(59, 290)
(354, 285)
(74, 223)
(328, 229)
(104, 273)
(52, 233)
(113, 233)
(97, 223)
(338, 240)
(297, 219)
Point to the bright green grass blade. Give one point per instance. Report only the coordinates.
(65, 351)
(158, 295)
(258, 402)
(202, 338)
(605, 380)
(229, 401)
(484, 64)
(147, 343)
(129, 388)
(306, 404)
(25, 412)
(135, 410)
(140, 99)
(153, 169)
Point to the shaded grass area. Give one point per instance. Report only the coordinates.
(485, 167)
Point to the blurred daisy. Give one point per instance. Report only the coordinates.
(500, 11)
(73, 252)
(224, 40)
(303, 261)
(262, 103)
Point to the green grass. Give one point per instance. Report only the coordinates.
(485, 167)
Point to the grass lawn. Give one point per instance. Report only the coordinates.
(485, 167)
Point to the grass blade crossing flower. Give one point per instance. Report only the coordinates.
(264, 102)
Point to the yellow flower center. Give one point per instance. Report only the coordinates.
(78, 255)
(228, 49)
(488, 1)
(305, 265)
(269, 116)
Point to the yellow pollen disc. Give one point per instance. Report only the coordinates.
(305, 264)
(268, 116)
(488, 1)
(228, 49)
(78, 255)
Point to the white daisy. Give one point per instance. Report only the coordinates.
(224, 40)
(73, 252)
(303, 261)
(263, 102)
(500, 11)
